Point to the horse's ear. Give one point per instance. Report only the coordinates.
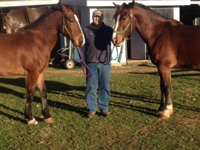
(131, 4)
(63, 7)
(115, 5)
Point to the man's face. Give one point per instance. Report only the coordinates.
(97, 20)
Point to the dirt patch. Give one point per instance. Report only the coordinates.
(131, 68)
(134, 67)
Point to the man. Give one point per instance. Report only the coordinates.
(97, 56)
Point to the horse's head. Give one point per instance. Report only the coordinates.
(124, 23)
(71, 26)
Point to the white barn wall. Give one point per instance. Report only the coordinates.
(21, 3)
(177, 13)
(108, 3)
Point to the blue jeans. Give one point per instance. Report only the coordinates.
(100, 77)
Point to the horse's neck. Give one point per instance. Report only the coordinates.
(48, 27)
(50, 22)
(146, 23)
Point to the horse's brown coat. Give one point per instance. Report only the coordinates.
(170, 43)
(28, 51)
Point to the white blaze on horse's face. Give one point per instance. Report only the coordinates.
(77, 20)
(114, 33)
(116, 26)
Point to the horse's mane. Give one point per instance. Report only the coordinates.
(127, 6)
(72, 8)
(56, 7)
(152, 12)
(155, 14)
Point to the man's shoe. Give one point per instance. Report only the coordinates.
(91, 115)
(105, 114)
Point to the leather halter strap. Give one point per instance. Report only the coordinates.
(65, 28)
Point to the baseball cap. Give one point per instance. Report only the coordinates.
(97, 13)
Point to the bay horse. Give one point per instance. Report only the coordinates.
(170, 43)
(27, 51)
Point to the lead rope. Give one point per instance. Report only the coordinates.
(81, 60)
(118, 55)
(84, 66)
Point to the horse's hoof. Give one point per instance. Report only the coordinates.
(166, 114)
(49, 120)
(32, 122)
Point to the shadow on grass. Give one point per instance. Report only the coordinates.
(11, 116)
(145, 110)
(54, 87)
(173, 71)
(130, 97)
(11, 91)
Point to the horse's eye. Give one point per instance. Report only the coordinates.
(124, 18)
(71, 21)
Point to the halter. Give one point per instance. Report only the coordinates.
(129, 24)
(65, 27)
(119, 55)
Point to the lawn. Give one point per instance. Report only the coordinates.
(133, 124)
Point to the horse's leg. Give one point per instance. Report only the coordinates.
(162, 102)
(43, 94)
(30, 89)
(166, 103)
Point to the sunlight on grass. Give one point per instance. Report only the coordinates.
(134, 124)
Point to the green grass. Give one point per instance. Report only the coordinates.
(133, 124)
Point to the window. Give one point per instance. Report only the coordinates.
(108, 16)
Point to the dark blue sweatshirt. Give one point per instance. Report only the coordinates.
(98, 43)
